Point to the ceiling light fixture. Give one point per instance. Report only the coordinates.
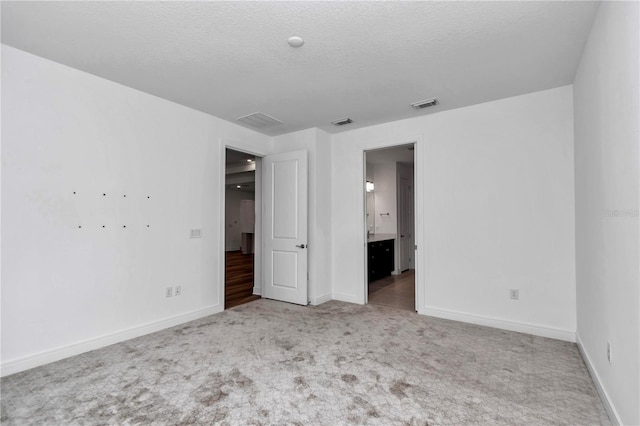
(295, 41)
(238, 186)
(424, 104)
(249, 160)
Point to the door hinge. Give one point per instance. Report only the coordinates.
(415, 247)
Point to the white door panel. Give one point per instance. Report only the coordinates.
(405, 216)
(285, 200)
(285, 272)
(285, 227)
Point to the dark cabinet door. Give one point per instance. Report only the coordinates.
(380, 259)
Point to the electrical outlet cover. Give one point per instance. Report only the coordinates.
(178, 290)
(169, 292)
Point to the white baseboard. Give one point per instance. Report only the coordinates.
(257, 291)
(315, 301)
(42, 358)
(347, 298)
(536, 330)
(608, 406)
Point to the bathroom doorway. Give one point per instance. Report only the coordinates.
(390, 221)
(240, 208)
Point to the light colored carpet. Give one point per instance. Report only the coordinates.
(273, 363)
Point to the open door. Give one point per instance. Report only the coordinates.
(285, 227)
(405, 222)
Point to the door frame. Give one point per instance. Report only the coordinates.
(418, 209)
(257, 255)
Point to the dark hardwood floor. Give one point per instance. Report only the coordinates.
(238, 279)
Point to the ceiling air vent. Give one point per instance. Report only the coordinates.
(342, 122)
(259, 120)
(425, 104)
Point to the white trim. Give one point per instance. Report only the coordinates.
(521, 327)
(419, 241)
(350, 298)
(222, 230)
(365, 260)
(257, 235)
(604, 397)
(315, 301)
(42, 358)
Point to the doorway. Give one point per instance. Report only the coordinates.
(240, 228)
(390, 222)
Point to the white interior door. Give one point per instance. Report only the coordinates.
(285, 227)
(405, 216)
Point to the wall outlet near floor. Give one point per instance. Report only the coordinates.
(514, 293)
(178, 291)
(168, 292)
(609, 351)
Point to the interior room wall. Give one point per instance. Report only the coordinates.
(318, 145)
(233, 235)
(67, 289)
(607, 158)
(370, 200)
(496, 211)
(384, 178)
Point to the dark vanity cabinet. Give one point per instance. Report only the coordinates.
(380, 259)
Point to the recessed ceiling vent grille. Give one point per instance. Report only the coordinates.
(342, 122)
(425, 104)
(259, 120)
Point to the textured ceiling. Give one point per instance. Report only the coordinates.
(364, 60)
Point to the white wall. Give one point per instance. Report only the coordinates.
(67, 289)
(370, 207)
(384, 179)
(606, 92)
(494, 188)
(318, 145)
(233, 234)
